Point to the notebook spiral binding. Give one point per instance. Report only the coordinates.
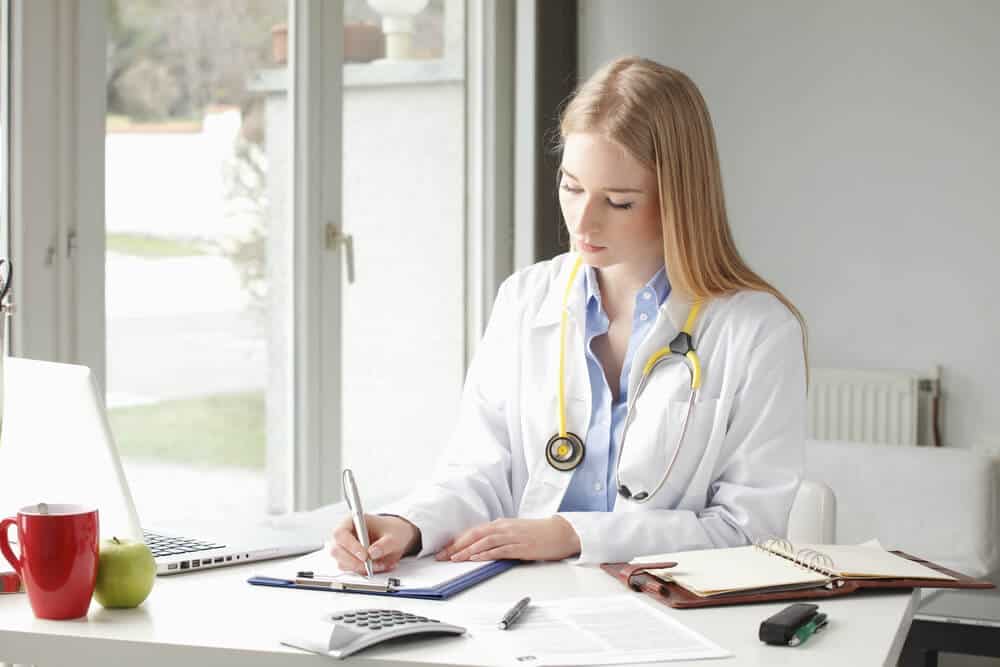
(811, 559)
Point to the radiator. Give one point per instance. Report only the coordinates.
(892, 407)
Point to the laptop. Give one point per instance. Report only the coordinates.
(56, 446)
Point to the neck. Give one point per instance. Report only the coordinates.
(619, 285)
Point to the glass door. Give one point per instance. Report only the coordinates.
(4, 131)
(404, 219)
(197, 223)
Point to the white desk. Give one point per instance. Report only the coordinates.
(215, 618)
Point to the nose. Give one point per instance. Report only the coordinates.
(586, 218)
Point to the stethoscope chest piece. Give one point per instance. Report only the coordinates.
(564, 452)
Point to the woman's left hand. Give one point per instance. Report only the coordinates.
(522, 539)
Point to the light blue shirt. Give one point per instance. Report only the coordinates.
(593, 488)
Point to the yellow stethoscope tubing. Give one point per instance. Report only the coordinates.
(691, 355)
(562, 348)
(694, 366)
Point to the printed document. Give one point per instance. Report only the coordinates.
(604, 630)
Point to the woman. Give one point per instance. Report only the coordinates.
(713, 439)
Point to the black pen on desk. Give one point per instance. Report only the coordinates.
(513, 614)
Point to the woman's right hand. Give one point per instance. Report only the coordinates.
(389, 538)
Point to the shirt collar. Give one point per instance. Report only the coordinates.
(658, 283)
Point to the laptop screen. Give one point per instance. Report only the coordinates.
(56, 445)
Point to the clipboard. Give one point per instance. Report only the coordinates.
(441, 592)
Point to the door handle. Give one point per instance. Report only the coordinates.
(335, 238)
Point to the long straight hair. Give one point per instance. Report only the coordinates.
(658, 115)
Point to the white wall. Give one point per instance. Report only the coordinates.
(860, 148)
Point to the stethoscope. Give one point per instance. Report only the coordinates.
(565, 450)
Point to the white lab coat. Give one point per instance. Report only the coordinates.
(739, 465)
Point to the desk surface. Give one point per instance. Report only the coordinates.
(215, 618)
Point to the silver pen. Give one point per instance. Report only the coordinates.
(513, 614)
(358, 514)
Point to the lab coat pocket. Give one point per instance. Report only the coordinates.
(654, 445)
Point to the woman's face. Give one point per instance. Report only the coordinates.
(610, 204)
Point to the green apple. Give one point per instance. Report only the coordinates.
(125, 573)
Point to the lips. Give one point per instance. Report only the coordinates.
(587, 247)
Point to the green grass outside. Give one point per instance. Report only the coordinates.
(144, 245)
(223, 430)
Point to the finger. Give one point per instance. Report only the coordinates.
(488, 542)
(345, 539)
(445, 551)
(347, 561)
(467, 538)
(385, 547)
(385, 565)
(512, 551)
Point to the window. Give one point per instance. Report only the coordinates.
(403, 205)
(194, 192)
(200, 249)
(4, 132)
(245, 154)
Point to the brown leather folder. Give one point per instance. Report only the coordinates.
(638, 578)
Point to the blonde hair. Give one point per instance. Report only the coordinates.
(658, 115)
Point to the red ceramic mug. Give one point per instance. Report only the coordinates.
(58, 560)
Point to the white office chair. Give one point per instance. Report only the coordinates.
(813, 518)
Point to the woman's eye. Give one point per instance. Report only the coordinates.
(621, 207)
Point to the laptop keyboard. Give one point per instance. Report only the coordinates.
(169, 545)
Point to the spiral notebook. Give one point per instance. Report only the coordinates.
(775, 569)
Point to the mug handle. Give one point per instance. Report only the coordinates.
(5, 544)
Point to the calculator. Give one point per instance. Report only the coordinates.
(343, 633)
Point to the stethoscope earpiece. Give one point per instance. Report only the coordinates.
(624, 492)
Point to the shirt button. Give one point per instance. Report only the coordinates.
(647, 295)
(598, 486)
(643, 316)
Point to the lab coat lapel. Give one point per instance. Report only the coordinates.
(546, 485)
(645, 444)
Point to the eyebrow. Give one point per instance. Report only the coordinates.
(563, 170)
